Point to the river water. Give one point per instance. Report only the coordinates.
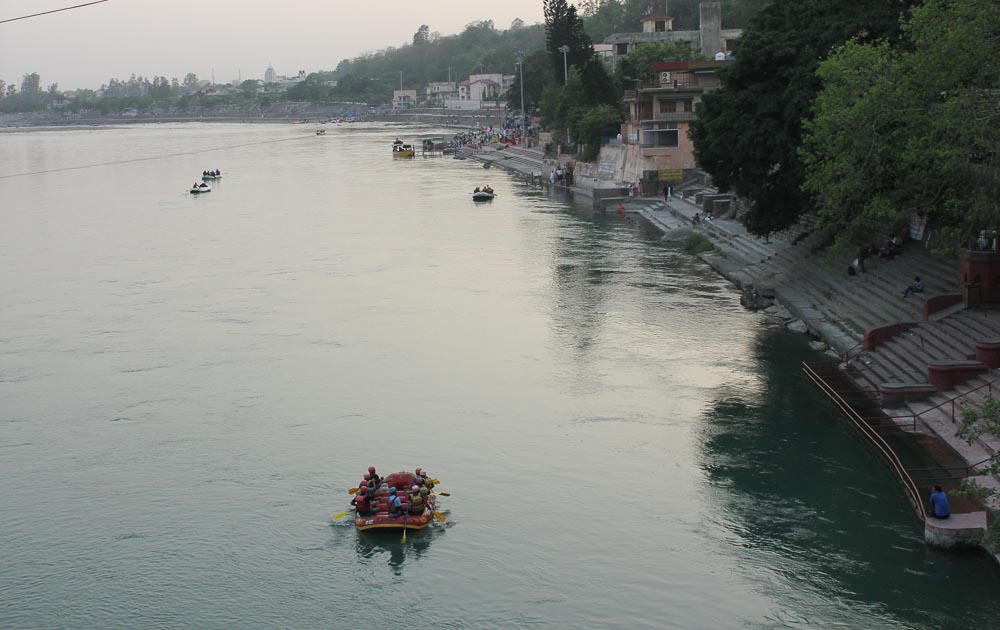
(190, 384)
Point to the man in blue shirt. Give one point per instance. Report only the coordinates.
(395, 505)
(939, 503)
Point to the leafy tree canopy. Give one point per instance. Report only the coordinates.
(748, 132)
(480, 47)
(912, 129)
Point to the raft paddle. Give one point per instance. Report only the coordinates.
(404, 524)
(443, 494)
(351, 490)
(439, 516)
(341, 515)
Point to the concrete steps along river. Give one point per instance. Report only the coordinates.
(814, 283)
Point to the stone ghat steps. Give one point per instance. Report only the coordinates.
(867, 303)
(746, 249)
(943, 417)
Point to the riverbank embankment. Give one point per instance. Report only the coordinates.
(812, 293)
(799, 280)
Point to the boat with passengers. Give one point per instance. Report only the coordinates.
(401, 149)
(483, 194)
(381, 520)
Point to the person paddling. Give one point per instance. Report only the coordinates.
(375, 479)
(362, 502)
(416, 502)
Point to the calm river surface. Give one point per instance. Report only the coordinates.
(189, 385)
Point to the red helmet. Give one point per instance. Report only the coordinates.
(364, 483)
(371, 469)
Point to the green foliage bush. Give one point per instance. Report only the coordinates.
(697, 243)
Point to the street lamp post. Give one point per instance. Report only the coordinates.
(400, 80)
(524, 118)
(565, 49)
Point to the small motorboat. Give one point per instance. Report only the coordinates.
(201, 188)
(381, 520)
(211, 175)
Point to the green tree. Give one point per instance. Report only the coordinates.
(748, 132)
(190, 80)
(911, 129)
(563, 27)
(313, 90)
(536, 76)
(977, 423)
(31, 84)
(422, 36)
(592, 125)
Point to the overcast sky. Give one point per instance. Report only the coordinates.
(85, 47)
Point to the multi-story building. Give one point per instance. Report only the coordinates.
(484, 87)
(710, 38)
(659, 114)
(404, 99)
(442, 91)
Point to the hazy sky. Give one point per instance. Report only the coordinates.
(85, 47)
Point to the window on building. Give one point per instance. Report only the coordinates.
(622, 49)
(667, 107)
(661, 26)
(688, 106)
(664, 135)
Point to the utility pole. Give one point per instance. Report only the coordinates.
(400, 80)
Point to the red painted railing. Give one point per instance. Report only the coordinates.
(951, 401)
(876, 440)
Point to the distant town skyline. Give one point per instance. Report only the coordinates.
(86, 47)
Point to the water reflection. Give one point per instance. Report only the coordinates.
(372, 546)
(814, 514)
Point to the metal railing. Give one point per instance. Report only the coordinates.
(874, 439)
(912, 418)
(916, 416)
(964, 472)
(674, 116)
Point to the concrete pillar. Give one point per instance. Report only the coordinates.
(710, 28)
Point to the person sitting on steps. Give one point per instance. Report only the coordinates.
(917, 286)
(939, 504)
(890, 249)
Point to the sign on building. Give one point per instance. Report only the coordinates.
(670, 175)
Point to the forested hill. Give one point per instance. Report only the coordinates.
(482, 47)
(431, 57)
